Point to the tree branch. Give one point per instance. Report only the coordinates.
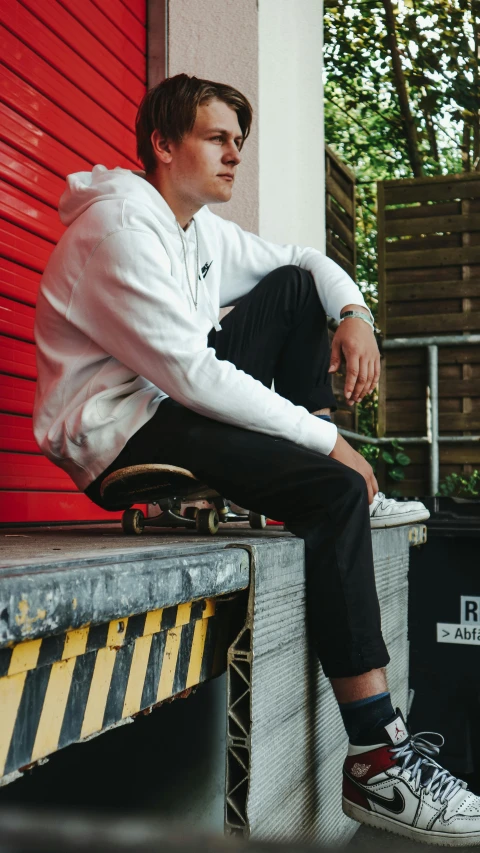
(356, 121)
(401, 87)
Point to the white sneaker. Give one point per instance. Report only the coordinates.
(387, 512)
(398, 786)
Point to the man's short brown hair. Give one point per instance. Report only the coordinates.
(171, 108)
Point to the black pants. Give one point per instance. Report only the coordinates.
(279, 332)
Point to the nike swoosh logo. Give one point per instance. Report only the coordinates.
(395, 804)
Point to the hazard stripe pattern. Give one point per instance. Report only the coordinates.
(59, 690)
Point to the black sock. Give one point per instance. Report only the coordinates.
(362, 719)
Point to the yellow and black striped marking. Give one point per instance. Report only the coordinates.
(61, 689)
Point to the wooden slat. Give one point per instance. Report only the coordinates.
(432, 258)
(336, 256)
(427, 306)
(29, 213)
(458, 455)
(339, 195)
(449, 423)
(106, 32)
(335, 223)
(23, 61)
(340, 165)
(17, 358)
(345, 182)
(432, 323)
(432, 224)
(30, 177)
(432, 191)
(16, 395)
(59, 21)
(416, 389)
(423, 243)
(16, 434)
(433, 290)
(342, 249)
(422, 211)
(22, 247)
(48, 116)
(449, 273)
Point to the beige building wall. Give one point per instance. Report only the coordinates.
(218, 40)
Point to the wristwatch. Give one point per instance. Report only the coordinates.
(360, 315)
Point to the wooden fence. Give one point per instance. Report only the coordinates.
(340, 207)
(429, 283)
(340, 212)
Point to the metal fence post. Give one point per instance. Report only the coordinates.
(433, 432)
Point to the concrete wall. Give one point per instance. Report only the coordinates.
(272, 51)
(291, 151)
(218, 40)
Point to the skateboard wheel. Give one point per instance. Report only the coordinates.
(257, 521)
(133, 522)
(191, 512)
(206, 521)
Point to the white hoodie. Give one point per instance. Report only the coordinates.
(117, 331)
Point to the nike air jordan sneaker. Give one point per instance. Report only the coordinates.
(397, 785)
(387, 512)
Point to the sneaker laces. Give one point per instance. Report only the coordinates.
(381, 502)
(417, 756)
(384, 501)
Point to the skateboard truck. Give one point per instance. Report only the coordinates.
(168, 487)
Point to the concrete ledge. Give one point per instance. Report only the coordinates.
(45, 597)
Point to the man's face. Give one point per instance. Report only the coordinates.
(204, 163)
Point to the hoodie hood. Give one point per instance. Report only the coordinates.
(85, 188)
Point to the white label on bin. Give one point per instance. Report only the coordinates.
(469, 610)
(464, 635)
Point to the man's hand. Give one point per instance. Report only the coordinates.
(355, 339)
(342, 452)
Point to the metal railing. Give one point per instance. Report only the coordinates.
(432, 438)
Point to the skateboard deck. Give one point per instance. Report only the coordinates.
(151, 483)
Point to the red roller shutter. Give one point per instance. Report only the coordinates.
(71, 77)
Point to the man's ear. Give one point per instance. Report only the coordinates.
(161, 147)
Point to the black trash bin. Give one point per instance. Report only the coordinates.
(444, 633)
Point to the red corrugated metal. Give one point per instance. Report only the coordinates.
(27, 64)
(106, 33)
(138, 8)
(16, 434)
(130, 26)
(53, 506)
(18, 282)
(23, 248)
(17, 358)
(71, 77)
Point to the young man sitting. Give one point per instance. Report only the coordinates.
(134, 367)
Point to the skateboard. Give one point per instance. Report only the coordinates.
(168, 487)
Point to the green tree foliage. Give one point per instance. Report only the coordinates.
(377, 52)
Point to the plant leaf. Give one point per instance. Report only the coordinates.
(397, 474)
